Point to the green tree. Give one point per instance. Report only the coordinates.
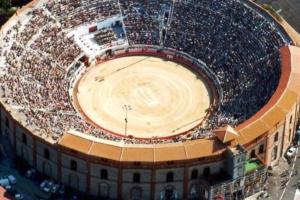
(5, 4)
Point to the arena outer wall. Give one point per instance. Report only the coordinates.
(273, 127)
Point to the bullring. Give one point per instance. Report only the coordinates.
(246, 58)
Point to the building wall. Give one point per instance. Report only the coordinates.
(25, 145)
(289, 128)
(160, 188)
(214, 168)
(74, 178)
(143, 190)
(95, 170)
(7, 125)
(96, 184)
(286, 133)
(161, 181)
(128, 183)
(47, 166)
(275, 140)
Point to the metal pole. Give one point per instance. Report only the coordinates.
(126, 121)
(126, 108)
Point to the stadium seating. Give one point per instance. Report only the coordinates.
(237, 43)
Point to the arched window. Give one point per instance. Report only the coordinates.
(136, 178)
(104, 174)
(46, 154)
(24, 138)
(276, 137)
(252, 153)
(261, 149)
(274, 153)
(73, 165)
(6, 122)
(194, 174)
(170, 177)
(206, 171)
(103, 190)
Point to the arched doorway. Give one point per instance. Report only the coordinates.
(252, 155)
(136, 193)
(169, 193)
(74, 181)
(206, 171)
(103, 190)
(25, 154)
(274, 153)
(47, 170)
(194, 191)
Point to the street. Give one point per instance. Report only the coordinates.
(282, 186)
(25, 186)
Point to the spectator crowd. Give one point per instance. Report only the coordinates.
(236, 42)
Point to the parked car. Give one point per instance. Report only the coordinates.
(30, 173)
(12, 179)
(47, 186)
(12, 191)
(19, 196)
(264, 194)
(4, 182)
(54, 188)
(8, 187)
(61, 190)
(74, 197)
(43, 184)
(291, 151)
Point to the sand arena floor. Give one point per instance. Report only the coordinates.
(163, 98)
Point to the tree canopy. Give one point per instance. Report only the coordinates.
(5, 4)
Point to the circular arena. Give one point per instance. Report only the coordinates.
(144, 94)
(150, 100)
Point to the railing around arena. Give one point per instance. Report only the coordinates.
(169, 54)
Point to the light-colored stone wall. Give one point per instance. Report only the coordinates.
(145, 175)
(289, 128)
(160, 174)
(272, 144)
(46, 167)
(214, 168)
(74, 179)
(257, 147)
(160, 188)
(95, 170)
(40, 147)
(25, 151)
(4, 129)
(128, 189)
(95, 187)
(81, 164)
(19, 134)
